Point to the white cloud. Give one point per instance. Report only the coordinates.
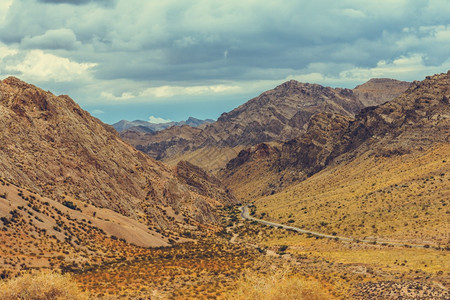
(5, 52)
(40, 66)
(353, 13)
(157, 120)
(4, 7)
(404, 67)
(97, 112)
(167, 91)
(111, 96)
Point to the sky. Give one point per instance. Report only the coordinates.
(171, 59)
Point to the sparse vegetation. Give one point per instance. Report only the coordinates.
(41, 286)
(71, 205)
(277, 285)
(407, 192)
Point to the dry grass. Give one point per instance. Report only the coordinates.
(348, 268)
(41, 286)
(400, 198)
(202, 270)
(277, 285)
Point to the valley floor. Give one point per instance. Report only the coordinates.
(246, 260)
(354, 270)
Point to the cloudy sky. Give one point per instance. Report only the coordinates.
(170, 59)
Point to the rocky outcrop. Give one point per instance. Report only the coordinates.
(199, 181)
(413, 121)
(377, 91)
(310, 152)
(165, 142)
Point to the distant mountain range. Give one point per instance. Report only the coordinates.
(145, 126)
(280, 114)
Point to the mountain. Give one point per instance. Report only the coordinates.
(276, 115)
(414, 120)
(52, 147)
(390, 162)
(146, 126)
(268, 168)
(379, 90)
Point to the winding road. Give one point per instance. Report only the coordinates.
(245, 215)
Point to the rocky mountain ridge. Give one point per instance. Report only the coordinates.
(276, 115)
(414, 121)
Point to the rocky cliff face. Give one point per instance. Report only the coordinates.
(276, 115)
(413, 121)
(53, 147)
(282, 113)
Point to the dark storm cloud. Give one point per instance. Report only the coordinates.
(127, 45)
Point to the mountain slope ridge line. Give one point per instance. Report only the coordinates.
(279, 114)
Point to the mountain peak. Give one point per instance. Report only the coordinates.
(11, 80)
(294, 84)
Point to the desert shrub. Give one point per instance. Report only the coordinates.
(277, 285)
(46, 286)
(71, 205)
(282, 248)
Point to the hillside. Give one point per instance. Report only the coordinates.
(54, 148)
(414, 121)
(391, 164)
(108, 254)
(265, 169)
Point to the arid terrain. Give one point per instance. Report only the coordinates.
(361, 177)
